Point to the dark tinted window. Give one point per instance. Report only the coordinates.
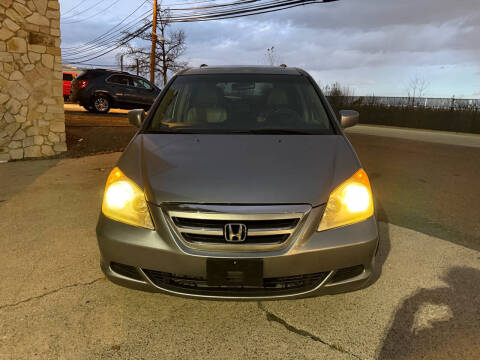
(236, 103)
(67, 77)
(141, 83)
(119, 79)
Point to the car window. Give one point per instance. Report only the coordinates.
(235, 103)
(119, 79)
(67, 77)
(141, 83)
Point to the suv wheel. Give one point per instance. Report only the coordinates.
(101, 103)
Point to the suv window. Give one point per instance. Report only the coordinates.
(141, 83)
(231, 103)
(119, 79)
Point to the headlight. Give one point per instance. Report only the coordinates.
(124, 201)
(349, 203)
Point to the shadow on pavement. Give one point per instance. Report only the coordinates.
(17, 175)
(441, 323)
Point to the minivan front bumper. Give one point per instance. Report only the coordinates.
(327, 262)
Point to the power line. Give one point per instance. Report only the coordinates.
(95, 65)
(111, 30)
(83, 11)
(103, 53)
(107, 38)
(106, 42)
(211, 12)
(73, 8)
(94, 15)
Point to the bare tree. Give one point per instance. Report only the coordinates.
(339, 95)
(416, 88)
(170, 46)
(271, 56)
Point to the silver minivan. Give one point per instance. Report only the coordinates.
(240, 184)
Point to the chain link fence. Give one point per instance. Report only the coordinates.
(421, 102)
(458, 115)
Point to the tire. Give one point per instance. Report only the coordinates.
(101, 103)
(90, 109)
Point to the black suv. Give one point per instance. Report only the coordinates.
(98, 90)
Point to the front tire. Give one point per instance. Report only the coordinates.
(101, 103)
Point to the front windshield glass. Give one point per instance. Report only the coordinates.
(229, 103)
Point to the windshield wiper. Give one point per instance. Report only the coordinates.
(278, 131)
(192, 130)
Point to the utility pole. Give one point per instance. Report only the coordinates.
(121, 62)
(138, 68)
(154, 43)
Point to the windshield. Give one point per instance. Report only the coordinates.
(230, 103)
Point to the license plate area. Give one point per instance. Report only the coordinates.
(235, 272)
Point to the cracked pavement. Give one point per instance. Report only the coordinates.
(272, 317)
(55, 303)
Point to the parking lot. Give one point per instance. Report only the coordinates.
(424, 301)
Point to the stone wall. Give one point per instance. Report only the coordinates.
(32, 121)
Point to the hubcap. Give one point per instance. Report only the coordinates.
(101, 104)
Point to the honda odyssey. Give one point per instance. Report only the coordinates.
(240, 184)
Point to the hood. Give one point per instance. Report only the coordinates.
(239, 169)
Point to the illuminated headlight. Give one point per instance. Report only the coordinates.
(124, 201)
(349, 203)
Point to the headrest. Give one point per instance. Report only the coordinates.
(207, 96)
(277, 97)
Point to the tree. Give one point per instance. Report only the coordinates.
(416, 88)
(271, 56)
(170, 46)
(339, 96)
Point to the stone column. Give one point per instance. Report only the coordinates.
(32, 121)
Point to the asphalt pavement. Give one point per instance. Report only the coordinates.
(71, 107)
(55, 303)
(77, 116)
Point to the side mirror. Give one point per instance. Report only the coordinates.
(349, 118)
(136, 117)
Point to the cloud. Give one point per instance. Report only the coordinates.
(371, 45)
(374, 14)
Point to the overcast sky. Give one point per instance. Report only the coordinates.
(372, 46)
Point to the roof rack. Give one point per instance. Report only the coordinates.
(283, 66)
(203, 65)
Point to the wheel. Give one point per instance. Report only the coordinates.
(90, 109)
(101, 103)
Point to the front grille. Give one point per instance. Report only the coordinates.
(199, 285)
(255, 224)
(262, 228)
(220, 239)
